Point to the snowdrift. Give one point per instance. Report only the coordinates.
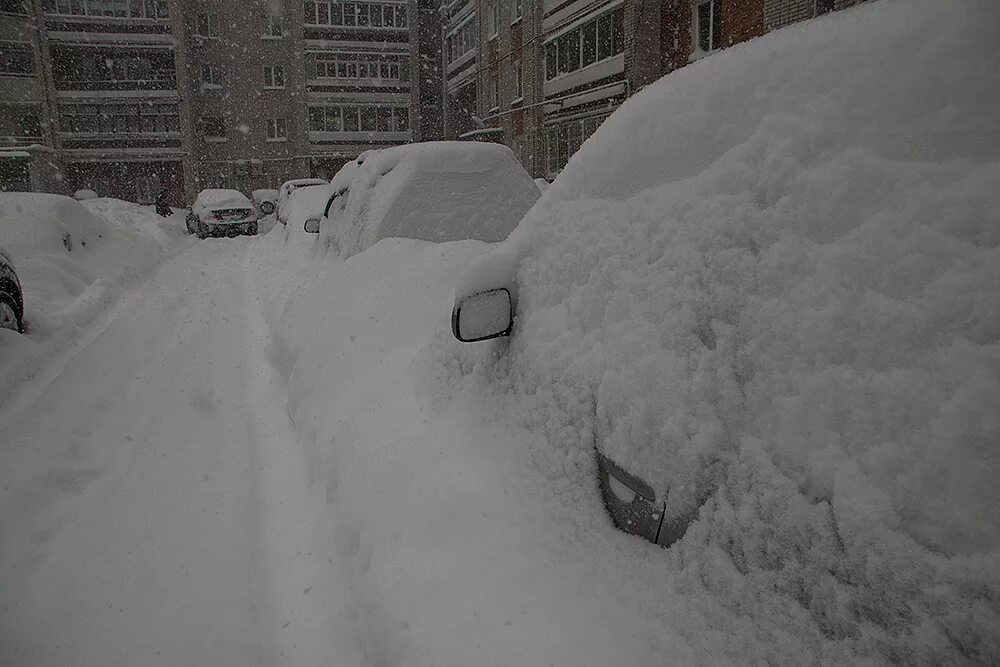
(72, 257)
(770, 286)
(768, 280)
(435, 191)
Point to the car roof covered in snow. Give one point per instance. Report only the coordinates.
(219, 199)
(433, 191)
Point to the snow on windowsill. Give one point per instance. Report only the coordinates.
(216, 140)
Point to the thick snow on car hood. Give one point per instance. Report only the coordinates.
(218, 200)
(434, 191)
(770, 286)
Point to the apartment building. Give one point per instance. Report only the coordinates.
(25, 143)
(546, 73)
(130, 97)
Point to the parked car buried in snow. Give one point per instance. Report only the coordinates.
(11, 297)
(432, 191)
(286, 190)
(221, 213)
(717, 299)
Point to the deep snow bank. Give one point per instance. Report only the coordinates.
(772, 280)
(71, 258)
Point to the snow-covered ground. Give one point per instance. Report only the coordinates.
(267, 454)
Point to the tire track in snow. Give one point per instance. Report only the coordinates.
(306, 593)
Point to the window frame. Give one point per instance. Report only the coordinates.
(216, 79)
(18, 48)
(276, 130)
(272, 75)
(609, 39)
(211, 25)
(270, 23)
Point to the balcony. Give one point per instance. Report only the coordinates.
(83, 69)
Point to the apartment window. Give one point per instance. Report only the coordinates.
(492, 21)
(274, 77)
(494, 92)
(518, 86)
(462, 40)
(351, 118)
(147, 118)
(19, 121)
(211, 77)
(356, 66)
(592, 42)
(564, 139)
(708, 18)
(146, 9)
(517, 11)
(207, 25)
(17, 59)
(213, 127)
(272, 26)
(276, 130)
(355, 14)
(13, 7)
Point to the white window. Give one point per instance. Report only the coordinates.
(494, 92)
(211, 77)
(276, 130)
(351, 118)
(272, 26)
(708, 25)
(207, 25)
(356, 66)
(355, 14)
(518, 86)
(517, 11)
(594, 41)
(492, 22)
(274, 77)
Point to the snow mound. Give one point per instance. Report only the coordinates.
(770, 286)
(71, 257)
(434, 191)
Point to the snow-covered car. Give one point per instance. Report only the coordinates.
(84, 195)
(219, 212)
(432, 191)
(776, 319)
(286, 190)
(265, 201)
(11, 297)
(304, 208)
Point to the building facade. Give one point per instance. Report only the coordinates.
(131, 97)
(546, 73)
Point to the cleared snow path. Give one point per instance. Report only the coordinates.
(154, 506)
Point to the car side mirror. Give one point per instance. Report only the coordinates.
(483, 315)
(312, 226)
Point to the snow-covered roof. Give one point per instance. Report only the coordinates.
(433, 191)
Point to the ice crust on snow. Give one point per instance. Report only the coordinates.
(769, 285)
(434, 191)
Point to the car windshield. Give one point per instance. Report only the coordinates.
(499, 332)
